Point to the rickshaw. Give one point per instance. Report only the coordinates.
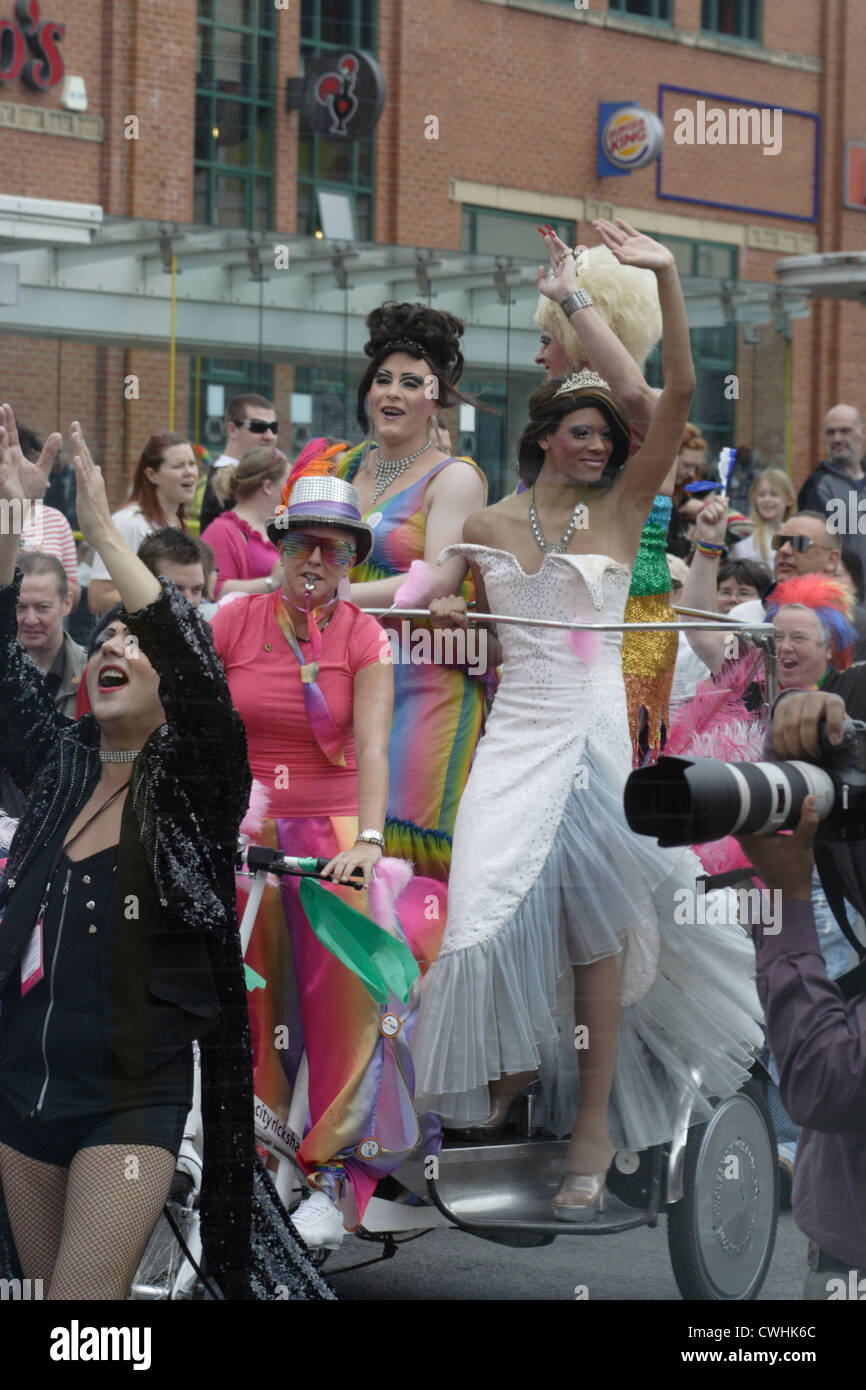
(716, 1181)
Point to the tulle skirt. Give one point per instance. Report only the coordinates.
(506, 1004)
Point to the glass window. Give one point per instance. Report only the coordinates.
(234, 146)
(494, 233)
(238, 377)
(646, 9)
(740, 19)
(344, 165)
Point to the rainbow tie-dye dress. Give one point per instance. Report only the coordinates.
(438, 712)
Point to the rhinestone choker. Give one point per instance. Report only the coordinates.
(387, 470)
(118, 755)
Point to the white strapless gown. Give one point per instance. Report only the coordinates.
(546, 875)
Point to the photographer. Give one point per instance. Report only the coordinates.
(816, 1033)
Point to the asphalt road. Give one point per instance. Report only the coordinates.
(634, 1266)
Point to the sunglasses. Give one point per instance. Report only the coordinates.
(258, 426)
(298, 546)
(798, 543)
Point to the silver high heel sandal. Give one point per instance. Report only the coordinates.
(588, 1189)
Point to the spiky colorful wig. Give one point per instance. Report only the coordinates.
(832, 604)
(626, 298)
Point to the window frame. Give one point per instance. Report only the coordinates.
(750, 14)
(565, 227)
(252, 173)
(357, 184)
(620, 7)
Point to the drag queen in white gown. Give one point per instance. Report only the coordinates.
(546, 875)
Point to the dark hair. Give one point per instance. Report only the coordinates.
(168, 543)
(40, 562)
(431, 335)
(143, 490)
(101, 623)
(750, 572)
(850, 559)
(31, 444)
(238, 405)
(208, 558)
(547, 410)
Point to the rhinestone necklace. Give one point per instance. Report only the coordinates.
(387, 470)
(558, 547)
(118, 755)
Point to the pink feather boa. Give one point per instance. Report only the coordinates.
(716, 724)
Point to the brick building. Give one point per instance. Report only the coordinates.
(173, 140)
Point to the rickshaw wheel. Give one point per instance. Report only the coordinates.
(722, 1232)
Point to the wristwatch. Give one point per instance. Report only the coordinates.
(371, 837)
(271, 583)
(579, 300)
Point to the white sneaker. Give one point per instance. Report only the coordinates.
(319, 1223)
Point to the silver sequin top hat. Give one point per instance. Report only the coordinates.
(323, 501)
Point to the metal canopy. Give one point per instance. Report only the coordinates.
(108, 281)
(834, 275)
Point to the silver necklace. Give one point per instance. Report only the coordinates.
(118, 755)
(558, 547)
(387, 470)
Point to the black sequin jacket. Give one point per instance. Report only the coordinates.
(190, 789)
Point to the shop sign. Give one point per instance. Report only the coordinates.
(28, 48)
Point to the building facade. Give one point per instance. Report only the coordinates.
(198, 195)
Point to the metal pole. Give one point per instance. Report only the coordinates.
(171, 348)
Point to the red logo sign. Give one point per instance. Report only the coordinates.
(336, 90)
(44, 68)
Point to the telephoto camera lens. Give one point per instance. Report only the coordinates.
(689, 802)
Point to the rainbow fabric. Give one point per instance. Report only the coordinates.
(648, 658)
(437, 720)
(360, 1081)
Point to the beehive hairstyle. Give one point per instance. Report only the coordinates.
(626, 297)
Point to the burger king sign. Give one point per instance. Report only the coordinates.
(629, 138)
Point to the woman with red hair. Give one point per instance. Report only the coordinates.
(163, 484)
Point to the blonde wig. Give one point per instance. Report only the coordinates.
(625, 297)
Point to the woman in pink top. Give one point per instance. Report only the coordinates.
(309, 678)
(247, 561)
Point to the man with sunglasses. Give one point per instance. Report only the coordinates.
(250, 421)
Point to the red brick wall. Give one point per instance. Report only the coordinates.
(515, 93)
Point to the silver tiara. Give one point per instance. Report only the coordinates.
(582, 381)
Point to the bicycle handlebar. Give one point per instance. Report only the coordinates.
(273, 861)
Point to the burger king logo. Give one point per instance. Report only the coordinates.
(632, 137)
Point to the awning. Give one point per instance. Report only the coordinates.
(107, 280)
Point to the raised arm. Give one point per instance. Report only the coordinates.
(645, 471)
(700, 587)
(192, 685)
(604, 351)
(29, 721)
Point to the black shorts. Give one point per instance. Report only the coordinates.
(58, 1141)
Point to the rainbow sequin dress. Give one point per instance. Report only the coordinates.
(438, 712)
(648, 658)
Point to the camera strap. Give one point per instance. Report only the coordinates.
(853, 982)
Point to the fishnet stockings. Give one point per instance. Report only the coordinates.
(83, 1230)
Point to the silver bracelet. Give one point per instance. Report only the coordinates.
(578, 300)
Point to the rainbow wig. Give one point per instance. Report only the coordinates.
(626, 297)
(832, 604)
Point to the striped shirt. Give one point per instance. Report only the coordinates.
(47, 529)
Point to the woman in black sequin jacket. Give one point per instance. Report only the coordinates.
(170, 966)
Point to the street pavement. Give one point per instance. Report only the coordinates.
(448, 1265)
